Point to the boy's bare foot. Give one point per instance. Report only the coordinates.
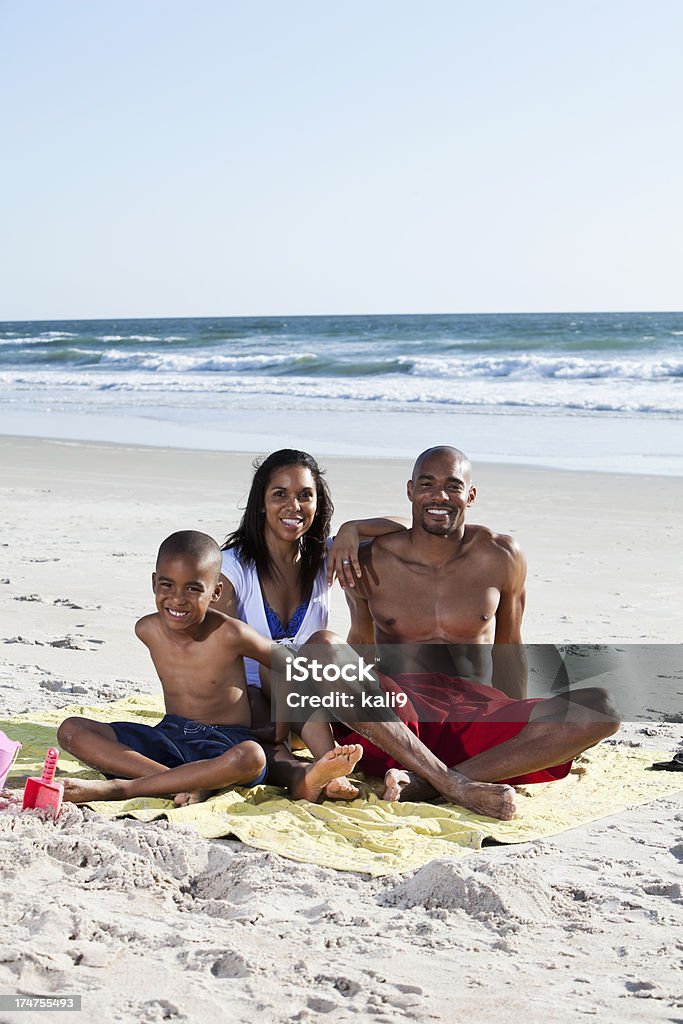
(341, 789)
(332, 765)
(198, 796)
(83, 791)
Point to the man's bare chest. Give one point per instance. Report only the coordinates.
(412, 603)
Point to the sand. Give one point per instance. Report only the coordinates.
(151, 923)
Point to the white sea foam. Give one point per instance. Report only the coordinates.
(127, 337)
(36, 339)
(658, 397)
(374, 366)
(207, 362)
(537, 366)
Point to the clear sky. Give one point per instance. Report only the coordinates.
(264, 157)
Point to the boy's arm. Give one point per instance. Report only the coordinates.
(143, 628)
(251, 644)
(247, 643)
(343, 560)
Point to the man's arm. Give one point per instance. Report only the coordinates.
(362, 629)
(510, 670)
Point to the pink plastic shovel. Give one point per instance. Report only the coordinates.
(44, 792)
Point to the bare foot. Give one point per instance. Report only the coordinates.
(198, 796)
(83, 791)
(402, 785)
(341, 789)
(332, 765)
(492, 799)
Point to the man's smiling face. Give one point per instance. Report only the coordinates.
(440, 491)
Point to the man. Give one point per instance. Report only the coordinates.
(445, 584)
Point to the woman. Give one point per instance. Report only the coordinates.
(276, 565)
(279, 563)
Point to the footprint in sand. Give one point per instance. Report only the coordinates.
(160, 1009)
(672, 891)
(639, 987)
(318, 1004)
(67, 642)
(231, 965)
(60, 686)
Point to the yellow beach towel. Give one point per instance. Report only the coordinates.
(368, 834)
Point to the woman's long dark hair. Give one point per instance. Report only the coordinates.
(250, 536)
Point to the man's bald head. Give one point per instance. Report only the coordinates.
(459, 458)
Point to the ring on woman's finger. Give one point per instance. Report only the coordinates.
(346, 561)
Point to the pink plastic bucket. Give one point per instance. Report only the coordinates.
(8, 751)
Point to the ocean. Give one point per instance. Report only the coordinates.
(578, 391)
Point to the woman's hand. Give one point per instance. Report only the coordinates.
(342, 560)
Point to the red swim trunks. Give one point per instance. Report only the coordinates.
(455, 719)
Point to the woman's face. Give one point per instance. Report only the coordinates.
(290, 503)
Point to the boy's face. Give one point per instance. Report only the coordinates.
(184, 590)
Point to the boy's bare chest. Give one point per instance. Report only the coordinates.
(198, 666)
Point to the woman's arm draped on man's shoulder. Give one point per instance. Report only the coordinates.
(343, 560)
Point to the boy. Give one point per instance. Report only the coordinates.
(204, 742)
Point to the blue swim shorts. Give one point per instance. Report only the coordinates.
(175, 741)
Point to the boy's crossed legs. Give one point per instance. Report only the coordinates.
(104, 748)
(182, 757)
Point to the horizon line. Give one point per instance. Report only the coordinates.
(340, 316)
